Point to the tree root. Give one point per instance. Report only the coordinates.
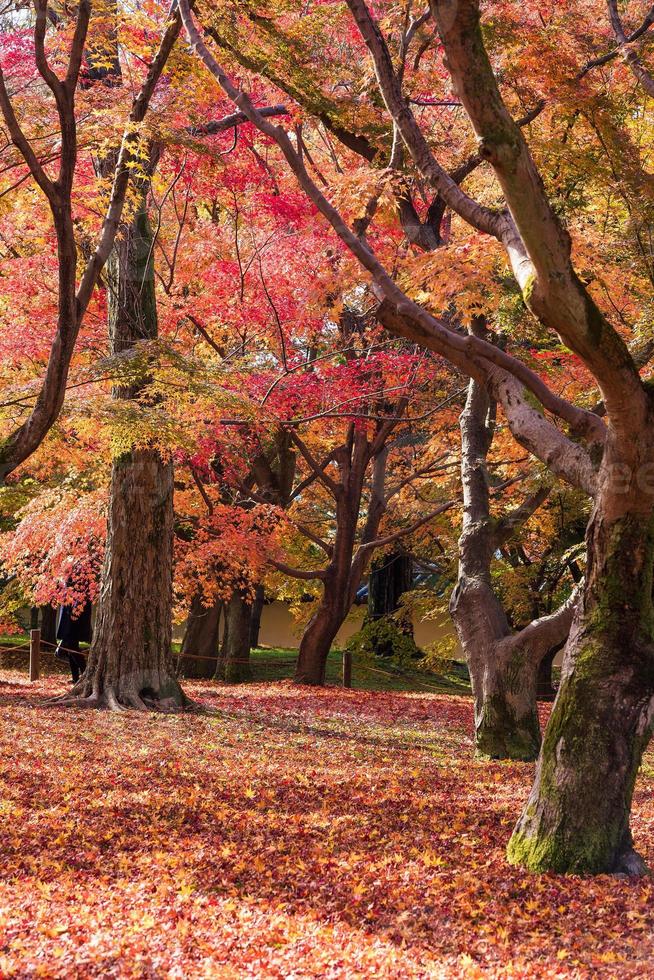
(107, 697)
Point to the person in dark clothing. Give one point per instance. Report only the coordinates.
(71, 631)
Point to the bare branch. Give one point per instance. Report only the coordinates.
(300, 573)
(382, 542)
(610, 55)
(234, 119)
(516, 518)
(547, 632)
(318, 470)
(309, 534)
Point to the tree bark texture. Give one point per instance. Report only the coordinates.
(234, 664)
(200, 640)
(131, 663)
(577, 815)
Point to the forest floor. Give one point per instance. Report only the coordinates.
(291, 833)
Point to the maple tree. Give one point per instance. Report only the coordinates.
(605, 696)
(295, 286)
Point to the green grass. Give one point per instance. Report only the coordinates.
(364, 677)
(8, 640)
(277, 664)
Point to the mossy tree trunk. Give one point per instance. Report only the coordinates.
(577, 815)
(131, 662)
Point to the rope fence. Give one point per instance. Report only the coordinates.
(36, 645)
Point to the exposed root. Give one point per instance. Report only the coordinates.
(71, 700)
(110, 698)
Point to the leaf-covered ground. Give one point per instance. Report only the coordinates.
(291, 834)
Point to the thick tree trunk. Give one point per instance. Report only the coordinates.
(577, 816)
(316, 643)
(131, 662)
(234, 665)
(200, 640)
(257, 612)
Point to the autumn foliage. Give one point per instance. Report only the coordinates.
(288, 833)
(288, 288)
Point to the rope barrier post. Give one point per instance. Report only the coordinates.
(35, 655)
(347, 668)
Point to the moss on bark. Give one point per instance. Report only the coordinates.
(501, 734)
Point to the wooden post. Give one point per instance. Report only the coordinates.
(347, 668)
(35, 655)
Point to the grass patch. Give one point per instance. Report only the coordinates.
(270, 664)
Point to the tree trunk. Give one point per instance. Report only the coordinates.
(345, 571)
(131, 661)
(391, 575)
(200, 640)
(577, 816)
(316, 643)
(234, 666)
(545, 690)
(257, 611)
(49, 624)
(503, 675)
(506, 715)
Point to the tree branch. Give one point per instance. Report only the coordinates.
(628, 54)
(308, 533)
(382, 542)
(547, 632)
(317, 469)
(551, 288)
(471, 354)
(299, 573)
(235, 119)
(508, 524)
(122, 170)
